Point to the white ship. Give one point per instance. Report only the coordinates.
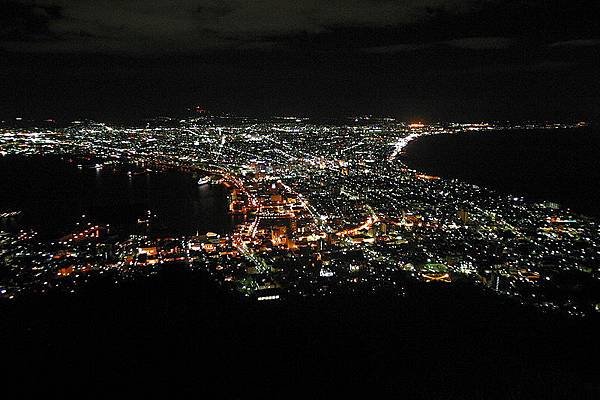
(204, 181)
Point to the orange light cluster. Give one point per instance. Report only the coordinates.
(427, 177)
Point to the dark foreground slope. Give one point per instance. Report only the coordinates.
(177, 332)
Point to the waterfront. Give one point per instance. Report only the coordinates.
(323, 210)
(389, 272)
(559, 165)
(54, 193)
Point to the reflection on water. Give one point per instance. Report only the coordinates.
(54, 194)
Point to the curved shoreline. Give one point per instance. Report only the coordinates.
(540, 165)
(65, 188)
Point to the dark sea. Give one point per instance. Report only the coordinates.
(562, 165)
(54, 194)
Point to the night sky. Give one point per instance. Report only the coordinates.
(427, 59)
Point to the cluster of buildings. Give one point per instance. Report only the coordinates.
(319, 208)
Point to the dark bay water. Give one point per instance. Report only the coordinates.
(562, 165)
(53, 194)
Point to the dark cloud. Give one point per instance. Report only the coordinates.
(154, 26)
(470, 43)
(481, 43)
(193, 25)
(577, 43)
(395, 48)
(26, 21)
(435, 57)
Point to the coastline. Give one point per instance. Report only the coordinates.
(537, 165)
(66, 188)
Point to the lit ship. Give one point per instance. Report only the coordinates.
(10, 214)
(204, 181)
